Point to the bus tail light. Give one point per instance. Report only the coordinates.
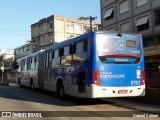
(96, 78)
(143, 78)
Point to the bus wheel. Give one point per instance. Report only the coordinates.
(19, 82)
(31, 86)
(60, 91)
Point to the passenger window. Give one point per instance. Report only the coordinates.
(50, 59)
(79, 47)
(46, 60)
(61, 52)
(67, 58)
(85, 45)
(53, 54)
(36, 62)
(56, 58)
(56, 53)
(66, 50)
(74, 49)
(81, 52)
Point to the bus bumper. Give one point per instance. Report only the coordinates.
(104, 92)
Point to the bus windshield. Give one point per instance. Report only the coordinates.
(113, 48)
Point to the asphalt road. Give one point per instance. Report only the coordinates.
(22, 103)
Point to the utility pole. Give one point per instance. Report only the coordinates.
(88, 18)
(2, 68)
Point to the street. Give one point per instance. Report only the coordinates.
(22, 102)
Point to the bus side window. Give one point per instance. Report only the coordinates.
(70, 49)
(85, 45)
(49, 59)
(66, 59)
(25, 64)
(61, 52)
(74, 48)
(45, 60)
(56, 59)
(32, 63)
(35, 62)
(80, 55)
(53, 54)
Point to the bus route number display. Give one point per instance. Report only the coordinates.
(131, 43)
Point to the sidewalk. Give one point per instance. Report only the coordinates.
(152, 96)
(4, 83)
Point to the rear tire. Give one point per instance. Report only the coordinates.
(32, 86)
(19, 82)
(60, 91)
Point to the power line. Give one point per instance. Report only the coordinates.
(13, 33)
(93, 13)
(13, 30)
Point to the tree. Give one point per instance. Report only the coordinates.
(15, 64)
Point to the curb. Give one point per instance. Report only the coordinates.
(4, 84)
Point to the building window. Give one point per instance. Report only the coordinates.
(70, 27)
(43, 38)
(50, 24)
(44, 27)
(124, 6)
(125, 27)
(50, 36)
(78, 28)
(109, 14)
(142, 23)
(141, 2)
(157, 17)
(87, 28)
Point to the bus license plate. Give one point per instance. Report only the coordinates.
(122, 91)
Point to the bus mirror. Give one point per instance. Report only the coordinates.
(119, 34)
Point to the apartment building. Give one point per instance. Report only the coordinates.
(22, 51)
(138, 16)
(55, 28)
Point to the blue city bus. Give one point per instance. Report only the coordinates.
(97, 64)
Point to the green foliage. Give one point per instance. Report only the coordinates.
(15, 64)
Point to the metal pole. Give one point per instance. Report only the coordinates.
(2, 70)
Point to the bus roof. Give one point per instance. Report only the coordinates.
(31, 55)
(69, 41)
(78, 38)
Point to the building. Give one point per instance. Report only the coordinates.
(6, 61)
(138, 16)
(54, 29)
(23, 51)
(2, 51)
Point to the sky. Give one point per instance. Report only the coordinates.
(16, 16)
